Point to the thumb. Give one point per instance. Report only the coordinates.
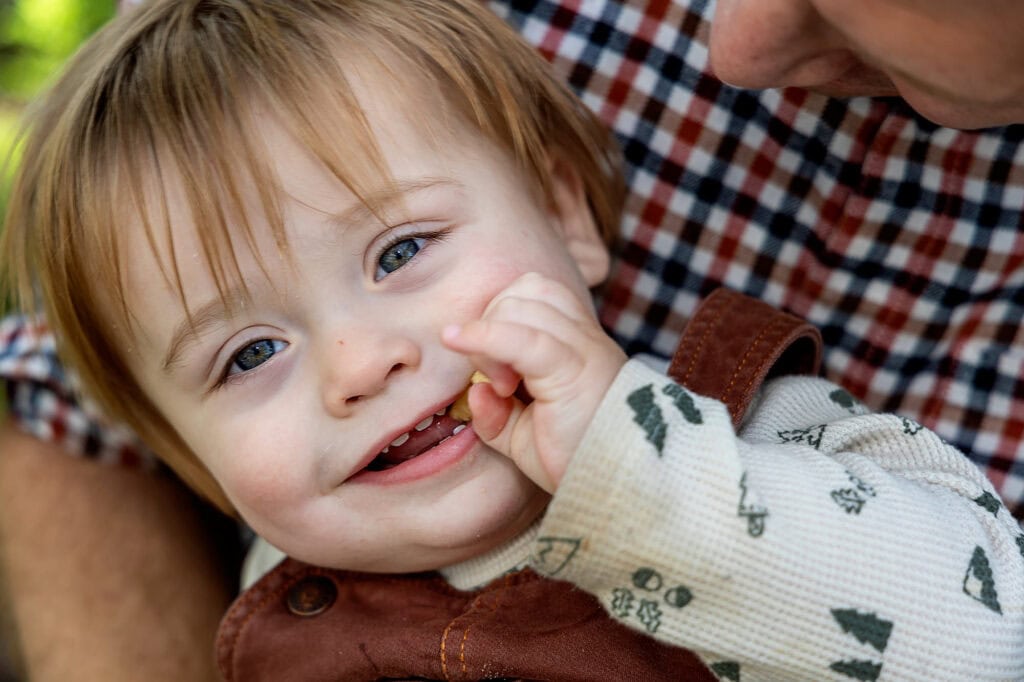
(502, 423)
(491, 415)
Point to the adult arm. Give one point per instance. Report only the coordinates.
(111, 573)
(822, 543)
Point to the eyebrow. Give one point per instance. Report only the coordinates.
(382, 199)
(198, 323)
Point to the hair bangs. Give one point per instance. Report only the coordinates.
(158, 119)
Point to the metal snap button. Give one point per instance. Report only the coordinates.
(311, 596)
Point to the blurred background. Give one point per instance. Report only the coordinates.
(36, 37)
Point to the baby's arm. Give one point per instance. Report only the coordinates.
(823, 544)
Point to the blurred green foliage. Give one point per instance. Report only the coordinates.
(36, 37)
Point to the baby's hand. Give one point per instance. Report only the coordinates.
(539, 333)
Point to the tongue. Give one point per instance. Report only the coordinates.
(418, 442)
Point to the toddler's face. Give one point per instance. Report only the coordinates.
(291, 396)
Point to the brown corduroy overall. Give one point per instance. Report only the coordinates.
(301, 623)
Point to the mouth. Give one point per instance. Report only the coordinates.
(425, 435)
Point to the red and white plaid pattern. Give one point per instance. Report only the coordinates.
(41, 399)
(901, 240)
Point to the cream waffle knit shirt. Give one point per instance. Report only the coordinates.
(819, 543)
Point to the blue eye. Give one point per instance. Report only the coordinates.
(254, 355)
(397, 255)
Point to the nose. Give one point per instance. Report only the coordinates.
(775, 43)
(360, 366)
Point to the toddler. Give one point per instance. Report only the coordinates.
(276, 237)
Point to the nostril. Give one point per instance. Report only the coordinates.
(353, 400)
(396, 369)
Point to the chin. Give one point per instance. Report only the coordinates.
(471, 530)
(859, 81)
(489, 525)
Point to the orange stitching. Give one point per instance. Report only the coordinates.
(766, 361)
(462, 651)
(444, 659)
(746, 356)
(492, 607)
(480, 601)
(709, 326)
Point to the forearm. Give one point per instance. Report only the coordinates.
(111, 574)
(772, 551)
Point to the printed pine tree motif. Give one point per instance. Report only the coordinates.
(989, 502)
(648, 415)
(751, 509)
(979, 584)
(683, 401)
(554, 554)
(811, 436)
(866, 627)
(726, 670)
(858, 670)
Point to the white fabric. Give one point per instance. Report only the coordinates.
(822, 544)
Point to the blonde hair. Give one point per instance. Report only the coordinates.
(169, 90)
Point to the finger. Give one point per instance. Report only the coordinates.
(490, 411)
(542, 316)
(537, 287)
(505, 425)
(503, 378)
(539, 357)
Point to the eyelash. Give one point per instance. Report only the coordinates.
(226, 377)
(433, 237)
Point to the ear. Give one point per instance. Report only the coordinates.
(575, 220)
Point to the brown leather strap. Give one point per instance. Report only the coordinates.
(734, 342)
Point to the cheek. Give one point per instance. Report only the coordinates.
(484, 282)
(260, 469)
(486, 271)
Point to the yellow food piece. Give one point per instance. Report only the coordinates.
(460, 408)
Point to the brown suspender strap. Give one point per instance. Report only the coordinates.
(734, 342)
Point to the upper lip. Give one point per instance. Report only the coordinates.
(395, 433)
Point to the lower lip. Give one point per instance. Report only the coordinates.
(424, 465)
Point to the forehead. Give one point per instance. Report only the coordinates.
(408, 139)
